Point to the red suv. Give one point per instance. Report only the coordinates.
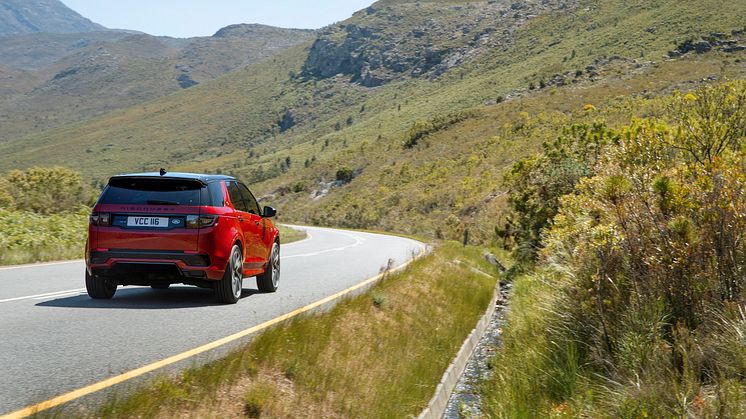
(156, 229)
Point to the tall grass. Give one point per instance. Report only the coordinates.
(29, 237)
(43, 215)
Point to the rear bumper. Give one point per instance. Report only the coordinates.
(189, 259)
(167, 263)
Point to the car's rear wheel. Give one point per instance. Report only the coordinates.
(99, 288)
(228, 289)
(269, 280)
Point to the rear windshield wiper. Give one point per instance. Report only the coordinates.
(159, 202)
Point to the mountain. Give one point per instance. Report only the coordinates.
(405, 116)
(37, 51)
(63, 78)
(235, 46)
(51, 16)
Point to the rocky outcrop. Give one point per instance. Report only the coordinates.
(422, 39)
(716, 40)
(358, 52)
(185, 81)
(287, 121)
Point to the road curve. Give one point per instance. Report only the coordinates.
(55, 339)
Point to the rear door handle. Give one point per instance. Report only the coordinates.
(240, 219)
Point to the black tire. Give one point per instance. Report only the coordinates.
(99, 288)
(160, 286)
(270, 279)
(228, 289)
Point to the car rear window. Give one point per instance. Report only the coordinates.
(157, 192)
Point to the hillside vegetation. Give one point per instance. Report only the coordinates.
(287, 126)
(635, 306)
(44, 214)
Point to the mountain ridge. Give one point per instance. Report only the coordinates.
(54, 79)
(33, 16)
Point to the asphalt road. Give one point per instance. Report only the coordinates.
(56, 339)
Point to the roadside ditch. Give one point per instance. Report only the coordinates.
(466, 400)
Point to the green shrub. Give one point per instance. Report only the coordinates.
(256, 398)
(43, 215)
(30, 237)
(423, 128)
(6, 198)
(536, 184)
(46, 190)
(345, 174)
(380, 300)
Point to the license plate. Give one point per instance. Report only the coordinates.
(155, 222)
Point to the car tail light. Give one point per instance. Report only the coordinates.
(100, 219)
(201, 221)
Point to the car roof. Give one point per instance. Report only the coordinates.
(204, 178)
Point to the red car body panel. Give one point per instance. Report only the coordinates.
(118, 238)
(199, 254)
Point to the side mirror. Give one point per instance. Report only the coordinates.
(269, 212)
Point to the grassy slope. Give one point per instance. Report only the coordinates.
(339, 363)
(230, 124)
(154, 133)
(384, 182)
(454, 180)
(449, 182)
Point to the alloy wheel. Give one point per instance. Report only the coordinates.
(237, 269)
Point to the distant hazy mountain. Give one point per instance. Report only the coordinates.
(49, 79)
(31, 16)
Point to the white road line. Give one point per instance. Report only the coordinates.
(47, 295)
(308, 235)
(40, 265)
(69, 294)
(358, 242)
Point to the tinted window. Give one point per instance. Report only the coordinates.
(156, 192)
(216, 194)
(250, 200)
(236, 198)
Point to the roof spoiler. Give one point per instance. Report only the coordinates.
(117, 179)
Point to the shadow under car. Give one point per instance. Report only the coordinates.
(141, 298)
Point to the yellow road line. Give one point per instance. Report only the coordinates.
(75, 394)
